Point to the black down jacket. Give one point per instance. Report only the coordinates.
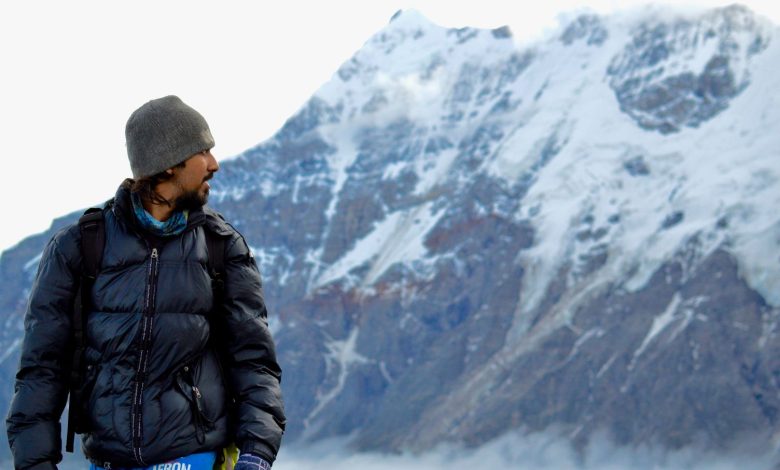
(155, 388)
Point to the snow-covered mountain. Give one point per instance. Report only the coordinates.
(462, 236)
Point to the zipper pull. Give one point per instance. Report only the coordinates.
(154, 253)
(196, 398)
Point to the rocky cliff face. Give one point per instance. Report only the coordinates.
(461, 236)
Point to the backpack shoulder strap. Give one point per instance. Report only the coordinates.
(217, 235)
(215, 244)
(93, 240)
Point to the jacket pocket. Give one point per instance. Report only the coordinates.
(187, 386)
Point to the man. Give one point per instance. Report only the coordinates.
(161, 385)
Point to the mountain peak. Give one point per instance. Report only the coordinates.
(409, 18)
(586, 26)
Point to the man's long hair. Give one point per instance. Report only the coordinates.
(145, 187)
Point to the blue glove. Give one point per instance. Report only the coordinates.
(251, 462)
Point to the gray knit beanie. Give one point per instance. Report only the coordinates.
(163, 133)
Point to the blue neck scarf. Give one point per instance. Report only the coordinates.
(175, 224)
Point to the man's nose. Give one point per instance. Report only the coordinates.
(213, 165)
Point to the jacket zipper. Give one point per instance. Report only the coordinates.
(147, 321)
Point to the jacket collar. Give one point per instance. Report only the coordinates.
(122, 207)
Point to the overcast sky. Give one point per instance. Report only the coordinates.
(74, 71)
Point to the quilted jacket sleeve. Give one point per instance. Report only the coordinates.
(40, 391)
(254, 374)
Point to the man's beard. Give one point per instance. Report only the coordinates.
(190, 200)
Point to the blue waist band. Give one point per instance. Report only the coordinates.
(202, 461)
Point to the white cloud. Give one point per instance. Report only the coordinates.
(540, 451)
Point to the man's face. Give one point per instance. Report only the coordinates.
(191, 179)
